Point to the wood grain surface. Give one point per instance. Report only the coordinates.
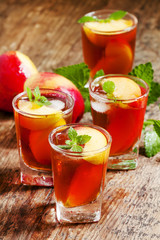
(47, 31)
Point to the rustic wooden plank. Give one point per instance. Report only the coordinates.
(47, 31)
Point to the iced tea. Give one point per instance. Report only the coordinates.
(109, 46)
(122, 118)
(79, 177)
(33, 125)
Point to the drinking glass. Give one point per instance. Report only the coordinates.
(109, 46)
(123, 119)
(33, 128)
(79, 177)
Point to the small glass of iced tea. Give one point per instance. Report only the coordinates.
(33, 125)
(79, 176)
(109, 45)
(121, 113)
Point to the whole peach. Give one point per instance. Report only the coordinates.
(15, 68)
(58, 82)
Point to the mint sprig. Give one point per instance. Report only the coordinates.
(75, 141)
(109, 87)
(79, 75)
(152, 137)
(113, 16)
(152, 143)
(99, 73)
(145, 72)
(38, 99)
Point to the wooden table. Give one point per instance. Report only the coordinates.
(47, 31)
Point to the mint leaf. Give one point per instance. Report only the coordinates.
(148, 123)
(152, 138)
(72, 134)
(113, 16)
(64, 146)
(109, 87)
(82, 139)
(78, 74)
(87, 104)
(68, 142)
(37, 93)
(154, 92)
(87, 19)
(38, 99)
(99, 73)
(76, 148)
(75, 141)
(152, 143)
(85, 95)
(44, 101)
(29, 93)
(117, 15)
(145, 72)
(156, 126)
(38, 103)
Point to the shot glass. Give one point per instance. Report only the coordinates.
(79, 177)
(33, 125)
(123, 119)
(109, 46)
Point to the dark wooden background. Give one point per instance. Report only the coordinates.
(47, 31)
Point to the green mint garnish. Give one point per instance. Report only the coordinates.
(79, 75)
(99, 73)
(152, 137)
(145, 72)
(114, 16)
(109, 87)
(38, 99)
(87, 19)
(29, 93)
(152, 143)
(117, 15)
(75, 141)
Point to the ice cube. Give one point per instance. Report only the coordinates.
(100, 106)
(57, 104)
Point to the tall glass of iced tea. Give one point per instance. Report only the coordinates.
(121, 113)
(79, 176)
(111, 45)
(33, 125)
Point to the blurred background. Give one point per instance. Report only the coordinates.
(37, 29)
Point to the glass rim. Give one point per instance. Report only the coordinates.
(19, 95)
(104, 99)
(109, 11)
(80, 154)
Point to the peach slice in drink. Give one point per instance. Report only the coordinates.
(89, 175)
(41, 120)
(117, 53)
(96, 32)
(39, 145)
(125, 88)
(38, 117)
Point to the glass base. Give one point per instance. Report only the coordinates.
(123, 162)
(36, 177)
(82, 214)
